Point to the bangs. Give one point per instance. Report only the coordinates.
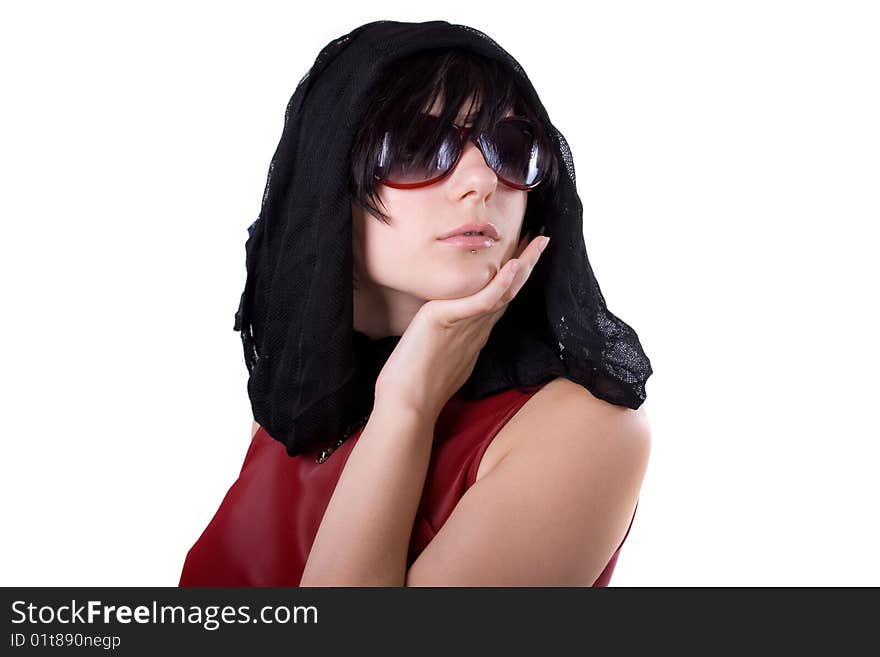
(449, 81)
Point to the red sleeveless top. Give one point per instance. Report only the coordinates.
(263, 531)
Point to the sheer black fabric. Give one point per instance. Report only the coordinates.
(311, 376)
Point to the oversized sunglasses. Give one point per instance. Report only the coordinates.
(511, 148)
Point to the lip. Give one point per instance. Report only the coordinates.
(490, 234)
(470, 241)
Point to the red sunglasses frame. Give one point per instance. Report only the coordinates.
(465, 137)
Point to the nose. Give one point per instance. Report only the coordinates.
(472, 175)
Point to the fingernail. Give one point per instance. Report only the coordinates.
(543, 244)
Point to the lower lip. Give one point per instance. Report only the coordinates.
(470, 241)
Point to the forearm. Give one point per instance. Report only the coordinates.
(364, 535)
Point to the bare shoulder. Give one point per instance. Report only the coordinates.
(574, 414)
(566, 416)
(254, 428)
(559, 501)
(566, 399)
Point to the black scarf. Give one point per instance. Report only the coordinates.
(311, 375)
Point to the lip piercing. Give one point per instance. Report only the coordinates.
(473, 251)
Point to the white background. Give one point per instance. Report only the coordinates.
(728, 160)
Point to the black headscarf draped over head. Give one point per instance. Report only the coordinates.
(312, 376)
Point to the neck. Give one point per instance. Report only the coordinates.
(380, 311)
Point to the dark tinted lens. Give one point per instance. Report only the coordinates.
(515, 153)
(426, 152)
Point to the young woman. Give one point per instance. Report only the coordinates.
(441, 397)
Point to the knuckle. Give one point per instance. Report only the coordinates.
(444, 321)
(434, 314)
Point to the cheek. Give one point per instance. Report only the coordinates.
(392, 252)
(395, 256)
(384, 253)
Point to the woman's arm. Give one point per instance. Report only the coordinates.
(363, 539)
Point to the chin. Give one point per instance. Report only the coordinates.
(460, 281)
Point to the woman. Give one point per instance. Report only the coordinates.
(438, 400)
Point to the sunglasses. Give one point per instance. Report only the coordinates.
(511, 148)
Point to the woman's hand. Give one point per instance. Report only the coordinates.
(438, 350)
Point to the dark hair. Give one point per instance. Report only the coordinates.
(411, 85)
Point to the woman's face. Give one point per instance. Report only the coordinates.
(406, 256)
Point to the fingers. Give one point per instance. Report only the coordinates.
(528, 260)
(523, 243)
